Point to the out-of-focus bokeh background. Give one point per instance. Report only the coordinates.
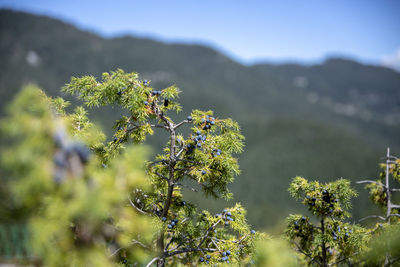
(315, 85)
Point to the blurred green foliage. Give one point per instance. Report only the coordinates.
(274, 252)
(75, 211)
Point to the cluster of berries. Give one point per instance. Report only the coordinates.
(172, 224)
(338, 230)
(328, 202)
(303, 228)
(226, 216)
(115, 139)
(296, 223)
(207, 259)
(155, 93)
(216, 152)
(207, 122)
(199, 139)
(225, 256)
(190, 148)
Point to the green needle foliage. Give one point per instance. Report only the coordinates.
(205, 157)
(330, 240)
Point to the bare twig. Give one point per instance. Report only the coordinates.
(215, 244)
(115, 252)
(180, 124)
(370, 182)
(180, 152)
(134, 241)
(159, 126)
(136, 207)
(185, 250)
(372, 216)
(151, 262)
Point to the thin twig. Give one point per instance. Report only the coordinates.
(180, 124)
(151, 262)
(136, 207)
(173, 249)
(169, 243)
(185, 250)
(342, 260)
(370, 182)
(241, 239)
(306, 254)
(215, 244)
(134, 241)
(162, 176)
(180, 152)
(208, 231)
(115, 252)
(158, 161)
(190, 161)
(159, 126)
(372, 216)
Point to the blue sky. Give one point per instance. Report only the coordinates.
(307, 30)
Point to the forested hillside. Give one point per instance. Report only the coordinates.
(323, 121)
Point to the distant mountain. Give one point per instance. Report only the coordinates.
(323, 121)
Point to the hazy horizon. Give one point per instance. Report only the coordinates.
(274, 32)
